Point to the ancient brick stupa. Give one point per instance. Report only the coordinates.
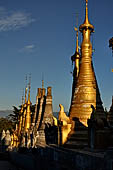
(85, 91)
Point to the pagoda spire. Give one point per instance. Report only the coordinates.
(77, 49)
(76, 60)
(76, 29)
(77, 55)
(25, 104)
(21, 116)
(28, 112)
(22, 107)
(86, 92)
(26, 91)
(29, 86)
(22, 99)
(42, 84)
(86, 16)
(86, 23)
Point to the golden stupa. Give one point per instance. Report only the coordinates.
(85, 90)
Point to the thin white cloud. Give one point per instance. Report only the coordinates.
(32, 46)
(28, 48)
(14, 20)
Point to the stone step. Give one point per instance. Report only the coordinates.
(78, 139)
(78, 135)
(80, 128)
(80, 132)
(75, 145)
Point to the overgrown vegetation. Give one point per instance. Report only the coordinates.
(9, 123)
(14, 116)
(6, 124)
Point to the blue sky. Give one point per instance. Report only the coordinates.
(38, 37)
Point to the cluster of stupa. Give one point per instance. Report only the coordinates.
(41, 126)
(30, 128)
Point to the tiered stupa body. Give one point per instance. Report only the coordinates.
(45, 116)
(86, 92)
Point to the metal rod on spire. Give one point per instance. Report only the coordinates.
(29, 80)
(29, 85)
(23, 97)
(42, 81)
(26, 89)
(86, 11)
(26, 81)
(77, 20)
(76, 29)
(86, 24)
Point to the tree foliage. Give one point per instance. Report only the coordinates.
(14, 117)
(6, 124)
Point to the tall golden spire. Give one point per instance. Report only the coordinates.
(77, 49)
(21, 116)
(25, 105)
(76, 29)
(77, 55)
(29, 86)
(22, 104)
(86, 16)
(76, 59)
(86, 92)
(86, 23)
(26, 91)
(28, 113)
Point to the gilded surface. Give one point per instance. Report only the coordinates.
(65, 126)
(85, 93)
(62, 115)
(28, 113)
(20, 118)
(77, 57)
(49, 91)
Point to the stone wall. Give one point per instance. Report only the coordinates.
(52, 157)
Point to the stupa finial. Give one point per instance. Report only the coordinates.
(86, 24)
(29, 89)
